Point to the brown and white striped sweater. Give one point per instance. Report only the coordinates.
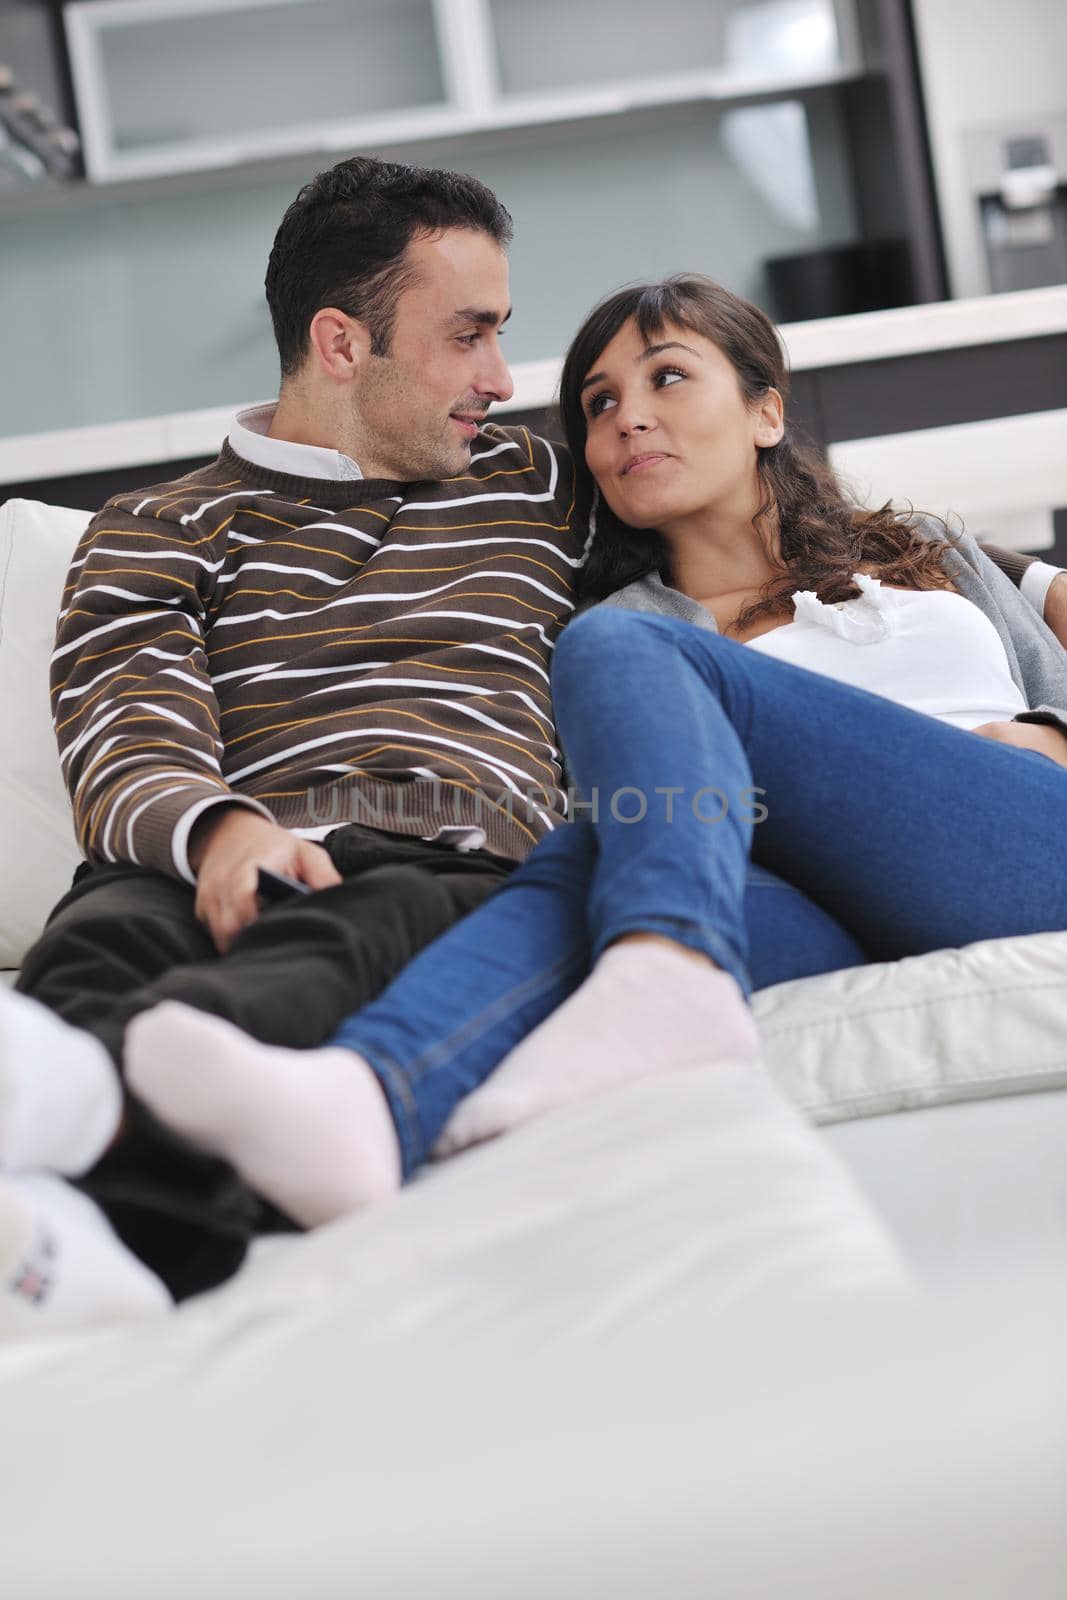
(324, 651)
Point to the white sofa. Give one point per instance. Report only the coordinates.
(678, 1224)
(979, 1034)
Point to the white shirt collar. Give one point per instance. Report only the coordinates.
(248, 439)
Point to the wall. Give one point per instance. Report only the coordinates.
(983, 62)
(115, 307)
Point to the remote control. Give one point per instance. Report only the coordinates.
(274, 886)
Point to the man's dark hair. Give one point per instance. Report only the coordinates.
(343, 240)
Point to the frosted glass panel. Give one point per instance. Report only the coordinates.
(555, 44)
(552, 44)
(782, 36)
(266, 68)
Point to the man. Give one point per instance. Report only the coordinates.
(325, 654)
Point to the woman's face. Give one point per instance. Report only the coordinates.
(670, 434)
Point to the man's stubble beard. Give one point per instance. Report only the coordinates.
(406, 456)
(430, 463)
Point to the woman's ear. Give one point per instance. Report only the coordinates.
(770, 420)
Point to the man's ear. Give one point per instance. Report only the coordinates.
(770, 420)
(339, 344)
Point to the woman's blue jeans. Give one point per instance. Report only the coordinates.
(779, 821)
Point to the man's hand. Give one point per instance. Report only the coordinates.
(1039, 736)
(227, 847)
(1056, 607)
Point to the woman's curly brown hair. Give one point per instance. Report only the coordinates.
(823, 536)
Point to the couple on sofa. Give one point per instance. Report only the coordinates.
(798, 734)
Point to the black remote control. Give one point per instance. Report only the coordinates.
(274, 886)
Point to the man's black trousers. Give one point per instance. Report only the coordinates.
(125, 938)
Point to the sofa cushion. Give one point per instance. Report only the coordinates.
(38, 852)
(990, 1019)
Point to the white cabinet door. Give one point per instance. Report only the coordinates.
(169, 85)
(548, 46)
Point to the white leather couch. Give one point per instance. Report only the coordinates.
(667, 1341)
(942, 1080)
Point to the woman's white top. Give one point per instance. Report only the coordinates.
(929, 649)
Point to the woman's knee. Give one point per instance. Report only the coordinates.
(603, 635)
(609, 635)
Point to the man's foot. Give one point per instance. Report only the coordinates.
(309, 1130)
(61, 1265)
(645, 1008)
(60, 1096)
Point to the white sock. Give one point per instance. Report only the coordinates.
(645, 1008)
(310, 1130)
(60, 1096)
(62, 1266)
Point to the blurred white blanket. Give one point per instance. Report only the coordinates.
(651, 1345)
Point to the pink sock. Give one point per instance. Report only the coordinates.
(645, 1008)
(310, 1130)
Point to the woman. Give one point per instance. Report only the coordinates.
(859, 705)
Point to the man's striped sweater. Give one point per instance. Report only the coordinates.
(324, 651)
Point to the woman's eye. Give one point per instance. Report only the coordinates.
(598, 403)
(667, 375)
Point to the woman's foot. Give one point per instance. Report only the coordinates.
(647, 1007)
(61, 1265)
(60, 1096)
(309, 1130)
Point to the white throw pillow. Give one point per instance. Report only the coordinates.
(38, 852)
(970, 1024)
